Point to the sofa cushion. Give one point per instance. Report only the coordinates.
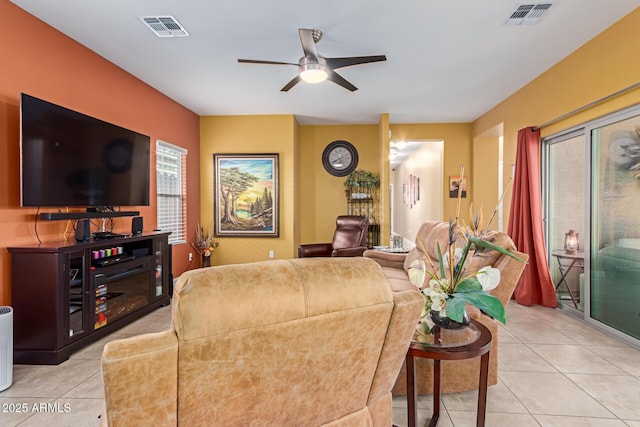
(484, 257)
(429, 236)
(399, 279)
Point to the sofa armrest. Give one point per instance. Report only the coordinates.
(386, 259)
(357, 251)
(510, 271)
(402, 325)
(140, 376)
(315, 250)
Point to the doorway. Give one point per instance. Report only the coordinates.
(416, 189)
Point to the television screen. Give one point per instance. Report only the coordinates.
(71, 159)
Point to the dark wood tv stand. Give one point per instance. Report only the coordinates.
(66, 295)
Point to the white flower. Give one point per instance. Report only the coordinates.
(417, 271)
(488, 277)
(436, 296)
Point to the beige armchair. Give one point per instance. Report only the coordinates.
(310, 342)
(456, 375)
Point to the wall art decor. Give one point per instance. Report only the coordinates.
(457, 183)
(246, 195)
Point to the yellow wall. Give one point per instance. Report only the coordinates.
(484, 181)
(311, 198)
(250, 134)
(457, 151)
(604, 65)
(384, 217)
(322, 196)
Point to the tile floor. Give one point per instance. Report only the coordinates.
(554, 371)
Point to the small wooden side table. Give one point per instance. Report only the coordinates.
(477, 343)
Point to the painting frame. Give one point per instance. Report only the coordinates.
(254, 212)
(455, 182)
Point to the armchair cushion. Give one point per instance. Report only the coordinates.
(315, 250)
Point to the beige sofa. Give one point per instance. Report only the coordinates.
(456, 375)
(309, 342)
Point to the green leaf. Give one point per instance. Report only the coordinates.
(463, 259)
(485, 244)
(455, 308)
(441, 262)
(484, 301)
(469, 284)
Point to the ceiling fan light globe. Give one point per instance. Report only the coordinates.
(313, 73)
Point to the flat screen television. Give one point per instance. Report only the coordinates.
(71, 159)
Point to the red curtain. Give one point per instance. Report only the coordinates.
(525, 223)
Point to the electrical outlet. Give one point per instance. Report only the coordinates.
(272, 253)
(190, 256)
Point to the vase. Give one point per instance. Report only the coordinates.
(205, 261)
(424, 331)
(445, 322)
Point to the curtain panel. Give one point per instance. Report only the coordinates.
(525, 222)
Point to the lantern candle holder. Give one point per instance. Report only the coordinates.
(571, 242)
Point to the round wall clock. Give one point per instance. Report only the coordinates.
(340, 158)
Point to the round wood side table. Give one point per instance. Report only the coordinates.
(474, 341)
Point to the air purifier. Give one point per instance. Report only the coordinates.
(6, 347)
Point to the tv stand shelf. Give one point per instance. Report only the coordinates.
(66, 295)
(55, 216)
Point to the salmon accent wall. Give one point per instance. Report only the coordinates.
(40, 61)
(244, 135)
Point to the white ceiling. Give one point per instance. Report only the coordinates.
(447, 60)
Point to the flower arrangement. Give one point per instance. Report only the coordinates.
(449, 287)
(203, 242)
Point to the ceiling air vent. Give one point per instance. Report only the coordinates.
(528, 14)
(164, 26)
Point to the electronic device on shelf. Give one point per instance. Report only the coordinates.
(103, 262)
(104, 235)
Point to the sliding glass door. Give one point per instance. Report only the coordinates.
(592, 220)
(615, 223)
(565, 208)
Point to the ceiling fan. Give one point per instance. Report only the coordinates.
(315, 68)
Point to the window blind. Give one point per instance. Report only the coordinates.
(171, 190)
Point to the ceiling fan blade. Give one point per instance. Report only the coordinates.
(259, 61)
(353, 60)
(291, 84)
(308, 44)
(339, 80)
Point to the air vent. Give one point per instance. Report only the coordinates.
(528, 14)
(164, 26)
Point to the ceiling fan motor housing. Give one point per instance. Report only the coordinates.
(312, 71)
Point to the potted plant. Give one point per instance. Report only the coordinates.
(204, 243)
(449, 288)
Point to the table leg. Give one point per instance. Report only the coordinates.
(437, 388)
(412, 392)
(563, 275)
(482, 389)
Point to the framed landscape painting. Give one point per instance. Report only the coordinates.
(245, 195)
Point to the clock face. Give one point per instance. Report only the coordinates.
(340, 158)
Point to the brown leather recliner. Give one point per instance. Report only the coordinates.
(349, 239)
